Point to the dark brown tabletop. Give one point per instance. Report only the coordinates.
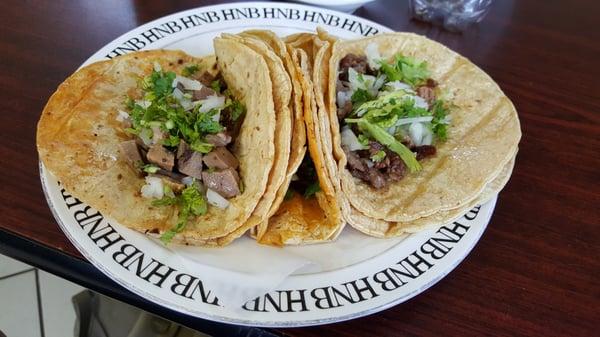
(536, 270)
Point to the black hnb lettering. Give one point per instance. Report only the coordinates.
(103, 236)
(323, 299)
(70, 200)
(152, 269)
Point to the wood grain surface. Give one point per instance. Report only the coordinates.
(536, 270)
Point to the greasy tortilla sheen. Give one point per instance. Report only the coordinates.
(482, 137)
(313, 220)
(78, 137)
(385, 229)
(282, 92)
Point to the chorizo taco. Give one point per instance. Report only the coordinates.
(171, 145)
(307, 210)
(418, 133)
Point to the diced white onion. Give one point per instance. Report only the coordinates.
(369, 83)
(420, 134)
(177, 94)
(146, 137)
(143, 103)
(216, 199)
(157, 66)
(185, 102)
(397, 85)
(187, 181)
(411, 120)
(188, 83)
(157, 134)
(373, 56)
(369, 163)
(122, 116)
(153, 189)
(350, 140)
(343, 97)
(420, 102)
(211, 102)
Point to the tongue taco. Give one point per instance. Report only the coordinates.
(417, 132)
(171, 145)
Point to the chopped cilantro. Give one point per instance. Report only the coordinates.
(405, 69)
(205, 123)
(216, 86)
(379, 156)
(150, 168)
(359, 97)
(201, 146)
(237, 110)
(289, 194)
(363, 140)
(312, 189)
(192, 202)
(439, 123)
(190, 70)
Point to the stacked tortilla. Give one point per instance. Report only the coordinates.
(469, 168)
(289, 89)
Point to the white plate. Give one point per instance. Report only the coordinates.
(378, 279)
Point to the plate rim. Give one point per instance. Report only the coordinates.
(448, 267)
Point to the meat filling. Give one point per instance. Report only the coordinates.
(361, 164)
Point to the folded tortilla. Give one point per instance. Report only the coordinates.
(482, 142)
(78, 140)
(299, 220)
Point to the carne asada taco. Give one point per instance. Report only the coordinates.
(416, 130)
(167, 144)
(309, 212)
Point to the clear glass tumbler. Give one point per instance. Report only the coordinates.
(454, 15)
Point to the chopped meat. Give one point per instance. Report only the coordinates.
(220, 158)
(162, 157)
(203, 93)
(379, 174)
(219, 139)
(427, 93)
(376, 179)
(359, 63)
(354, 161)
(189, 162)
(343, 111)
(224, 182)
(431, 83)
(140, 143)
(173, 175)
(173, 184)
(131, 153)
(396, 168)
(182, 149)
(206, 78)
(425, 151)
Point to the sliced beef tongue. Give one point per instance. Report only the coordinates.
(219, 139)
(162, 157)
(225, 182)
(203, 93)
(220, 158)
(189, 162)
(130, 151)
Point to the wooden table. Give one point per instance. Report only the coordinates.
(536, 271)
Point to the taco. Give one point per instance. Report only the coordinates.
(307, 210)
(417, 132)
(165, 143)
